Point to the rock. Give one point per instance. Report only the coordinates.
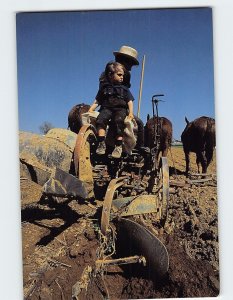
(169, 228)
(200, 243)
(90, 235)
(161, 231)
(214, 283)
(207, 235)
(74, 251)
(195, 202)
(175, 206)
(179, 193)
(213, 222)
(188, 226)
(196, 227)
(198, 211)
(45, 292)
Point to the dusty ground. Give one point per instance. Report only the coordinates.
(60, 241)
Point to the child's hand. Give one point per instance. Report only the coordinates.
(131, 116)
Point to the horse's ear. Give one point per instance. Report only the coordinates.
(148, 117)
(186, 120)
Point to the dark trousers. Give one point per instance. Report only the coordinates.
(116, 116)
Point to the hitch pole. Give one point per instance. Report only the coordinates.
(141, 83)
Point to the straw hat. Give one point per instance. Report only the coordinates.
(128, 52)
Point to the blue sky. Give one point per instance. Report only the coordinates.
(60, 56)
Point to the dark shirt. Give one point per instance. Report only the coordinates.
(113, 96)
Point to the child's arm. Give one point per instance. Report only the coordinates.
(94, 105)
(130, 106)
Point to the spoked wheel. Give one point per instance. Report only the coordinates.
(82, 156)
(164, 194)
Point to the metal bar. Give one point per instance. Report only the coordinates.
(121, 261)
(199, 180)
(141, 83)
(80, 142)
(165, 180)
(177, 183)
(113, 185)
(201, 174)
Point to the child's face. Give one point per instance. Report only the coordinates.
(118, 76)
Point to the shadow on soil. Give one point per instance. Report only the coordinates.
(175, 171)
(54, 210)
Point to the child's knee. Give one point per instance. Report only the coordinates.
(101, 124)
(102, 121)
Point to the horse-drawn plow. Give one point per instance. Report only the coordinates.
(137, 185)
(66, 166)
(67, 225)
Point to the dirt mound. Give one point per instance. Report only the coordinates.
(60, 243)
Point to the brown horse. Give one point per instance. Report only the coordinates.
(75, 116)
(158, 135)
(199, 137)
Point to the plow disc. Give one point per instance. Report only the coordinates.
(137, 240)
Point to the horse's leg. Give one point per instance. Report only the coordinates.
(209, 156)
(198, 161)
(165, 152)
(210, 144)
(187, 162)
(203, 161)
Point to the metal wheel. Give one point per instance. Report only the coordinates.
(82, 157)
(105, 218)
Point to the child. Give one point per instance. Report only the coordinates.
(115, 102)
(128, 57)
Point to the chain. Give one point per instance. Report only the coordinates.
(105, 250)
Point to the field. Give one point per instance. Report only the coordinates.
(60, 241)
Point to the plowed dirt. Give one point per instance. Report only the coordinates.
(60, 241)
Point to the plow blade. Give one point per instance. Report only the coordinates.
(47, 159)
(62, 184)
(135, 205)
(135, 239)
